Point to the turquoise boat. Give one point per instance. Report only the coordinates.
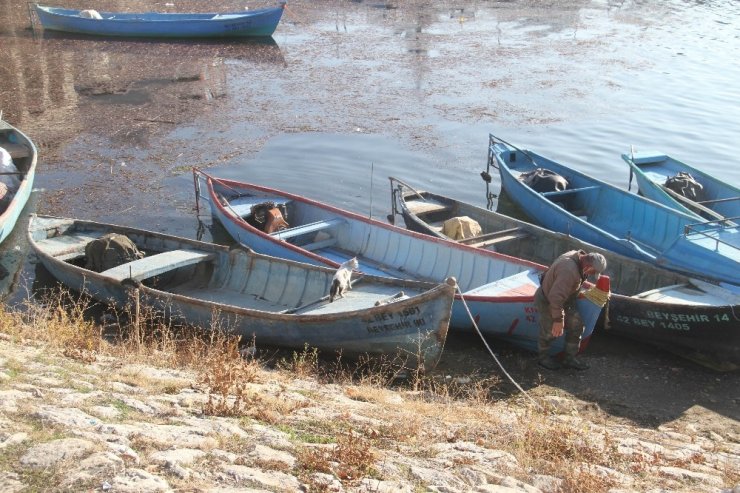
(496, 292)
(699, 193)
(24, 155)
(273, 301)
(626, 223)
(258, 22)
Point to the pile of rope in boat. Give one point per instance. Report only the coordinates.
(495, 358)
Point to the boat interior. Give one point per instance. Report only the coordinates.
(218, 276)
(379, 251)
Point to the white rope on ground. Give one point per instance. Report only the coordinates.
(462, 298)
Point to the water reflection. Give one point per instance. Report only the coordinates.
(59, 72)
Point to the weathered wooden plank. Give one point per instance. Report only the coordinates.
(156, 264)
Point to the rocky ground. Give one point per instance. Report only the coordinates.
(102, 423)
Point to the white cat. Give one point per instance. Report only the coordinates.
(341, 281)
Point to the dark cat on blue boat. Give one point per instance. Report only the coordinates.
(341, 280)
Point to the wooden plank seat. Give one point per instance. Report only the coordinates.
(494, 237)
(420, 207)
(308, 228)
(569, 191)
(16, 151)
(154, 265)
(66, 247)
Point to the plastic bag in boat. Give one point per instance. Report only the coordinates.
(460, 228)
(7, 166)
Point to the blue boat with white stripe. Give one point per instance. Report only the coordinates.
(604, 215)
(258, 22)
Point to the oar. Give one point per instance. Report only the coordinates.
(690, 203)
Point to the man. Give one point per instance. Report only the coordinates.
(555, 300)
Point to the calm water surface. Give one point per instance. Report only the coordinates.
(579, 86)
(351, 93)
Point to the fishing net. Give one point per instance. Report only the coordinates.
(544, 180)
(110, 251)
(685, 184)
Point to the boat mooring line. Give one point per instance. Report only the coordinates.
(462, 298)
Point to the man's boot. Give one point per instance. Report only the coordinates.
(549, 362)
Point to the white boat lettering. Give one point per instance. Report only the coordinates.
(640, 322)
(675, 326)
(677, 317)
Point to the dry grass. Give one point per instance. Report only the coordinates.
(412, 414)
(350, 459)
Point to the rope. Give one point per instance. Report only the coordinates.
(490, 351)
(292, 14)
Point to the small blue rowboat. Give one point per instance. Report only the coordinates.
(498, 290)
(23, 154)
(699, 193)
(260, 22)
(275, 301)
(615, 219)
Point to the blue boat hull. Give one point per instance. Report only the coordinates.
(497, 289)
(262, 22)
(617, 220)
(24, 155)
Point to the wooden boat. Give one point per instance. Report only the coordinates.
(277, 302)
(23, 154)
(258, 22)
(497, 290)
(694, 319)
(615, 219)
(716, 198)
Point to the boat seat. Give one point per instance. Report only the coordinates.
(494, 237)
(16, 151)
(420, 207)
(648, 158)
(569, 191)
(154, 265)
(66, 247)
(318, 245)
(307, 228)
